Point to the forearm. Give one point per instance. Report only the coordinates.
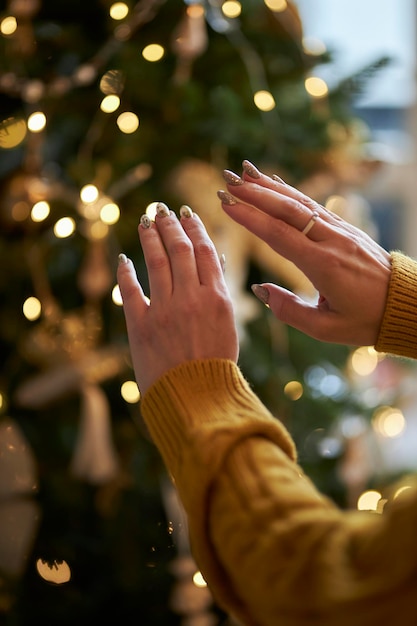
(398, 332)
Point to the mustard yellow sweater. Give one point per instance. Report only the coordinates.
(274, 551)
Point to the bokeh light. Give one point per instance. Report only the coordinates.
(8, 25)
(118, 11)
(368, 500)
(316, 87)
(64, 227)
(37, 122)
(40, 211)
(231, 8)
(32, 308)
(89, 194)
(128, 122)
(130, 392)
(110, 103)
(276, 5)
(12, 132)
(116, 296)
(153, 52)
(264, 100)
(389, 421)
(293, 390)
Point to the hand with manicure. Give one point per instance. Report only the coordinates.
(190, 314)
(350, 271)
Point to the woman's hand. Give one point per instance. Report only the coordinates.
(190, 314)
(350, 271)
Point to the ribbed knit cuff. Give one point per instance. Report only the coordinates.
(398, 332)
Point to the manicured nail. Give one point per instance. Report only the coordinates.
(251, 169)
(185, 211)
(232, 178)
(278, 179)
(145, 221)
(261, 292)
(223, 262)
(225, 197)
(123, 259)
(162, 210)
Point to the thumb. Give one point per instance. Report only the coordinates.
(288, 307)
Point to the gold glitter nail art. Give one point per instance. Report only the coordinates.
(145, 221)
(185, 211)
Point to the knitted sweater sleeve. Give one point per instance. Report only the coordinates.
(272, 549)
(398, 332)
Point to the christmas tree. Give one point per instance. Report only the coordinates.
(107, 108)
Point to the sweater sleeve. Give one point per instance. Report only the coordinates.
(272, 549)
(398, 332)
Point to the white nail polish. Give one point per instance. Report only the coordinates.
(145, 221)
(185, 211)
(162, 210)
(123, 259)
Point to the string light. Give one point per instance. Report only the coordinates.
(294, 390)
(316, 87)
(116, 296)
(130, 392)
(40, 211)
(118, 11)
(276, 5)
(128, 122)
(64, 227)
(32, 308)
(57, 571)
(314, 46)
(37, 122)
(369, 500)
(12, 132)
(198, 580)
(153, 52)
(8, 25)
(389, 422)
(364, 360)
(264, 100)
(89, 194)
(110, 103)
(151, 210)
(110, 213)
(231, 9)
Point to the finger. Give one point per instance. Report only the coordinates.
(208, 263)
(179, 250)
(134, 299)
(156, 259)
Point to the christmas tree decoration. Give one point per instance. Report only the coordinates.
(106, 110)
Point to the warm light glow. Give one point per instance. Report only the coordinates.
(12, 132)
(364, 360)
(316, 87)
(118, 10)
(336, 204)
(32, 308)
(8, 25)
(110, 213)
(57, 572)
(37, 122)
(153, 52)
(89, 194)
(116, 296)
(130, 392)
(315, 46)
(128, 122)
(64, 227)
(231, 8)
(389, 421)
(2, 401)
(264, 100)
(110, 103)
(40, 211)
(401, 490)
(276, 5)
(198, 580)
(369, 500)
(293, 389)
(98, 230)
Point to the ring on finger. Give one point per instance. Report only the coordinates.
(311, 223)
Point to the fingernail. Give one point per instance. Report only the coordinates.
(261, 292)
(145, 221)
(223, 262)
(232, 178)
(185, 211)
(225, 197)
(251, 169)
(122, 259)
(278, 179)
(162, 210)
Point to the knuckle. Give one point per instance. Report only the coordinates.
(180, 247)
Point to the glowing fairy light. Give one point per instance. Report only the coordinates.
(314, 46)
(368, 500)
(293, 390)
(12, 132)
(32, 308)
(8, 25)
(151, 210)
(64, 227)
(231, 8)
(316, 87)
(118, 11)
(110, 213)
(40, 211)
(130, 392)
(128, 122)
(110, 103)
(57, 572)
(116, 296)
(364, 360)
(264, 100)
(153, 52)
(276, 5)
(89, 194)
(37, 122)
(389, 422)
(198, 580)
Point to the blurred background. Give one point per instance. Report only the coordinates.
(105, 109)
